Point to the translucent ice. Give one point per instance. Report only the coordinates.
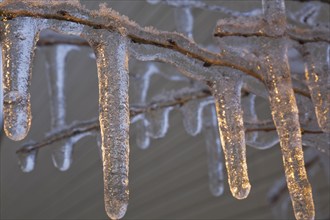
(62, 154)
(142, 138)
(214, 152)
(227, 93)
(275, 16)
(192, 115)
(19, 38)
(158, 122)
(184, 21)
(27, 160)
(112, 66)
(55, 60)
(285, 115)
(317, 73)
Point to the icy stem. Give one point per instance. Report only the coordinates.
(285, 115)
(112, 67)
(19, 37)
(214, 152)
(227, 93)
(317, 73)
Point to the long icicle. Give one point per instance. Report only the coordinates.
(227, 93)
(284, 110)
(19, 39)
(112, 68)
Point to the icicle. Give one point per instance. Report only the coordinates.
(27, 160)
(286, 120)
(112, 65)
(184, 21)
(62, 154)
(214, 152)
(19, 39)
(284, 109)
(158, 122)
(192, 115)
(317, 71)
(55, 59)
(142, 138)
(140, 84)
(227, 93)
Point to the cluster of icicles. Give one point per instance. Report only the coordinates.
(112, 49)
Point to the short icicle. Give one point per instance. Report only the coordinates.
(19, 38)
(227, 93)
(277, 78)
(112, 68)
(317, 71)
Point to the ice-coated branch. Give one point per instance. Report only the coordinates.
(178, 99)
(112, 21)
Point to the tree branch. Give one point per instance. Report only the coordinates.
(177, 99)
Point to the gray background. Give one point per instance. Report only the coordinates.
(167, 181)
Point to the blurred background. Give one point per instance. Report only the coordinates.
(169, 179)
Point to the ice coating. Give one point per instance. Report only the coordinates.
(19, 38)
(275, 16)
(112, 67)
(27, 161)
(227, 94)
(285, 115)
(142, 138)
(62, 154)
(192, 115)
(55, 59)
(184, 21)
(214, 152)
(317, 72)
(158, 124)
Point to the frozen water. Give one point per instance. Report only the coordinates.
(184, 21)
(214, 151)
(142, 137)
(55, 63)
(285, 115)
(27, 160)
(19, 38)
(157, 122)
(227, 94)
(192, 115)
(112, 67)
(318, 80)
(62, 154)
